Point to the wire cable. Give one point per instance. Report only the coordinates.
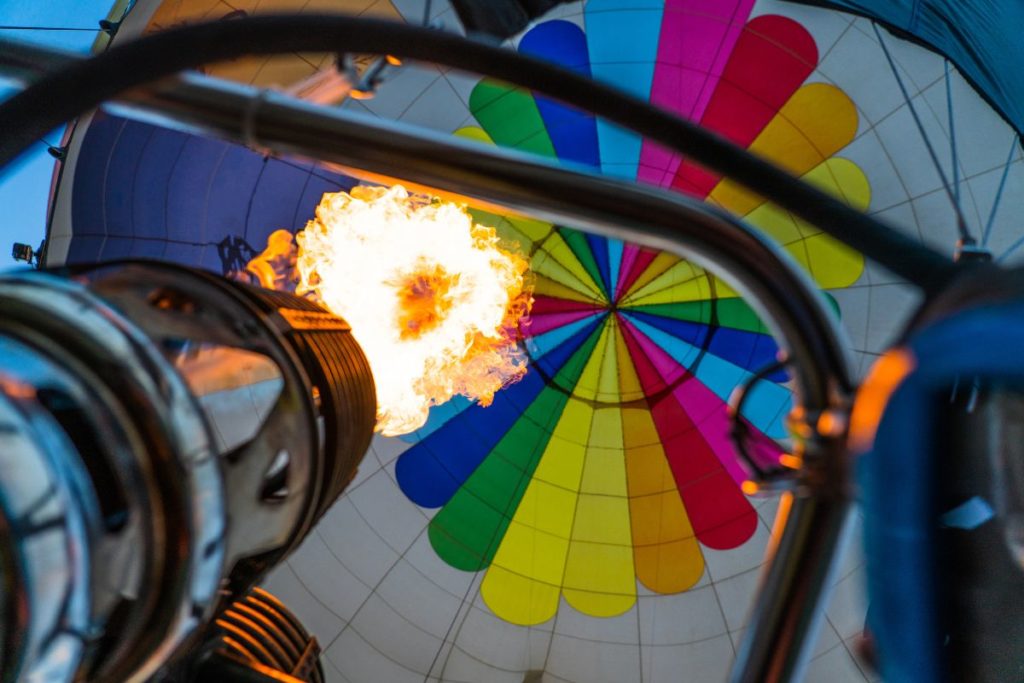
(999, 193)
(952, 137)
(961, 224)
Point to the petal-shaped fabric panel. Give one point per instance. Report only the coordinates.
(772, 58)
(697, 37)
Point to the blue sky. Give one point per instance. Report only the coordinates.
(25, 184)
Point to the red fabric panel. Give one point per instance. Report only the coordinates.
(772, 58)
(636, 269)
(720, 514)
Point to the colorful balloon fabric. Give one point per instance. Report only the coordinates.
(610, 462)
(565, 490)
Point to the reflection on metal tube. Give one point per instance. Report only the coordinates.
(161, 449)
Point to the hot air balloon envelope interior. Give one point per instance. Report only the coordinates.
(580, 439)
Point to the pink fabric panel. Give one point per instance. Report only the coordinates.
(697, 37)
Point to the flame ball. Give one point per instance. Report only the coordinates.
(433, 299)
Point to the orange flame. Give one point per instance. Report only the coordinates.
(432, 298)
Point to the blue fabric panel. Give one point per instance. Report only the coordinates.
(543, 344)
(432, 471)
(179, 195)
(119, 185)
(85, 248)
(143, 247)
(766, 404)
(599, 249)
(87, 203)
(692, 333)
(210, 260)
(551, 362)
(116, 248)
(275, 201)
(149, 207)
(615, 250)
(439, 416)
(226, 200)
(982, 37)
(622, 38)
(186, 255)
(319, 183)
(748, 350)
(189, 188)
(573, 133)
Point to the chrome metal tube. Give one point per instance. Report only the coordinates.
(778, 641)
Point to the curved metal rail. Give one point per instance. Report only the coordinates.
(810, 522)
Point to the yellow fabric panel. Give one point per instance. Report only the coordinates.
(602, 518)
(666, 554)
(630, 388)
(559, 250)
(842, 178)
(532, 228)
(817, 121)
(545, 264)
(474, 133)
(777, 223)
(670, 567)
(606, 428)
(604, 472)
(722, 289)
(523, 581)
(599, 578)
(684, 282)
(562, 462)
(608, 383)
(548, 287)
(679, 273)
(832, 264)
(662, 262)
(511, 238)
(586, 386)
(519, 599)
(548, 504)
(531, 552)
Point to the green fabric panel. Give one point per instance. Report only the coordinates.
(510, 116)
(467, 531)
(733, 312)
(577, 241)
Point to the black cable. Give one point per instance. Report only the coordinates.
(49, 28)
(84, 85)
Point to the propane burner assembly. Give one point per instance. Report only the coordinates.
(167, 436)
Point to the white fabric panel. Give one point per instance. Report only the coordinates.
(669, 619)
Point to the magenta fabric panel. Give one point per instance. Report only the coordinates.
(697, 37)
